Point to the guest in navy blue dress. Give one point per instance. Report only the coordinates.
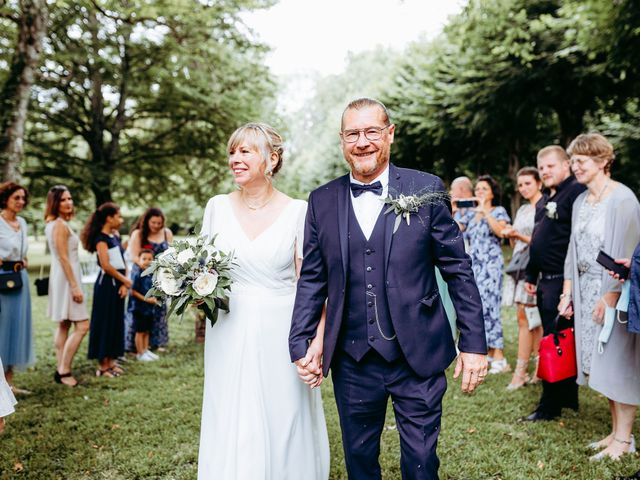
(106, 331)
(151, 234)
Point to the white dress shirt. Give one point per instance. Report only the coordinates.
(368, 205)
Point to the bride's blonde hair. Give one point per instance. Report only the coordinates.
(264, 138)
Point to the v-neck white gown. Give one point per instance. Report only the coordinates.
(259, 421)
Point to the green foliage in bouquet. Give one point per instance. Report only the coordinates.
(192, 272)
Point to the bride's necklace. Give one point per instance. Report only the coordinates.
(257, 207)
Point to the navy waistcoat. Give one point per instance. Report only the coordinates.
(365, 294)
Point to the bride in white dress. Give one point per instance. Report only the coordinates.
(259, 420)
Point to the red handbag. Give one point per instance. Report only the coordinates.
(558, 356)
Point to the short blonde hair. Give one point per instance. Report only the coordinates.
(593, 145)
(555, 149)
(264, 138)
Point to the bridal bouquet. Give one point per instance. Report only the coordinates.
(192, 272)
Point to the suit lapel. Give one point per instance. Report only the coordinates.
(343, 221)
(395, 187)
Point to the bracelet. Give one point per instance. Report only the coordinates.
(565, 295)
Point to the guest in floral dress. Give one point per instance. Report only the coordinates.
(484, 231)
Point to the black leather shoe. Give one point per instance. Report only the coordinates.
(540, 416)
(635, 476)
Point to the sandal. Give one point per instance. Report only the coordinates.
(59, 376)
(107, 372)
(520, 377)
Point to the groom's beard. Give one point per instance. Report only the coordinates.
(370, 167)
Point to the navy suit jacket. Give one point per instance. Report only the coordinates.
(432, 240)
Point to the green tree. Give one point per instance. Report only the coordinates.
(137, 98)
(27, 21)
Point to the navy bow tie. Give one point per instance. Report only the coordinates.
(357, 189)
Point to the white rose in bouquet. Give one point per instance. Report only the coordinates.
(185, 256)
(168, 284)
(402, 201)
(205, 284)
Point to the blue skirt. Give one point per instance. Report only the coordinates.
(16, 340)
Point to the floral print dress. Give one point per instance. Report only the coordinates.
(487, 264)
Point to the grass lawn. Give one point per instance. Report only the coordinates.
(145, 425)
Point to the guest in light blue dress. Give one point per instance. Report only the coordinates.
(16, 343)
(484, 230)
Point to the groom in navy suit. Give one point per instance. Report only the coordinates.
(386, 331)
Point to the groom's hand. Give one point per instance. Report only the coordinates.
(473, 367)
(310, 367)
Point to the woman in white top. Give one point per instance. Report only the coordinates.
(66, 299)
(16, 342)
(529, 186)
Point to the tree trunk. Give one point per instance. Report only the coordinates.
(571, 125)
(14, 97)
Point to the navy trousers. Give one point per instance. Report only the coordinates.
(362, 391)
(562, 394)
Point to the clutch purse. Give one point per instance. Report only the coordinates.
(557, 355)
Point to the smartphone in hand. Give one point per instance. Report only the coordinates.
(467, 203)
(609, 263)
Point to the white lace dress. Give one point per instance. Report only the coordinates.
(259, 421)
(589, 235)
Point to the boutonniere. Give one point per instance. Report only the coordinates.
(403, 206)
(551, 210)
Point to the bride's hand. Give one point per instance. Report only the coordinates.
(310, 366)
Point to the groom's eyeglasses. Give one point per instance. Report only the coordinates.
(370, 133)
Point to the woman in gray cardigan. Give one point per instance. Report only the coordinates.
(605, 217)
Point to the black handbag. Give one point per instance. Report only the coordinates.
(42, 284)
(10, 273)
(10, 281)
(518, 264)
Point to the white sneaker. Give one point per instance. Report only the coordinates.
(499, 366)
(144, 357)
(152, 355)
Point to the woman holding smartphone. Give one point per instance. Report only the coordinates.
(606, 218)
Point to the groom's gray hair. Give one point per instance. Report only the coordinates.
(366, 102)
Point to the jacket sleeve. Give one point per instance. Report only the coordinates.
(455, 266)
(311, 291)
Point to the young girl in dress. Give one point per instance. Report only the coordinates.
(106, 331)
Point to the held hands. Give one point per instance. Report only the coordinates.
(473, 367)
(310, 366)
(154, 301)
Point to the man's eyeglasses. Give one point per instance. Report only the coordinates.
(370, 133)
